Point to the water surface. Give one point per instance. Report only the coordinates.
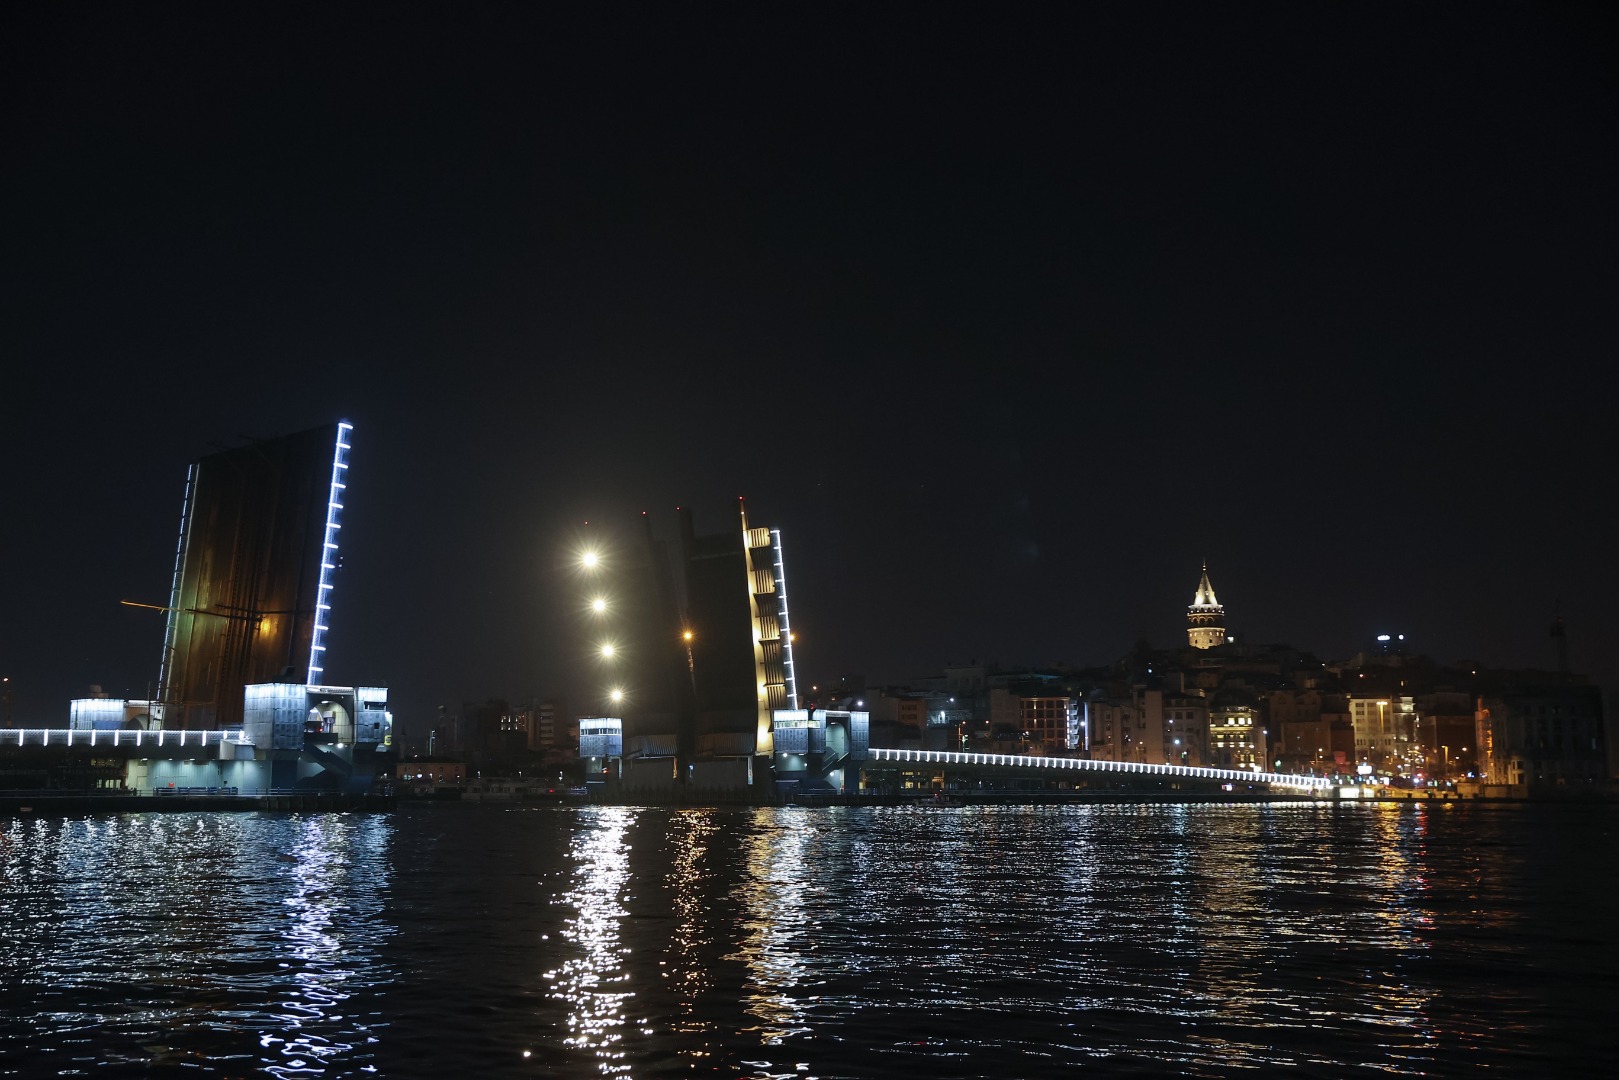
(1202, 940)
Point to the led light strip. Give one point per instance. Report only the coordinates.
(786, 629)
(169, 630)
(1200, 772)
(328, 553)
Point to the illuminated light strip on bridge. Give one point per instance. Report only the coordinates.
(328, 551)
(121, 738)
(786, 627)
(170, 628)
(1186, 772)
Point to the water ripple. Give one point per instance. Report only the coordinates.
(844, 942)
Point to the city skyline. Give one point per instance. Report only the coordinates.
(568, 669)
(1009, 322)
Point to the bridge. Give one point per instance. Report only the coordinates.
(289, 752)
(828, 751)
(944, 758)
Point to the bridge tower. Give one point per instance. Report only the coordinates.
(1205, 619)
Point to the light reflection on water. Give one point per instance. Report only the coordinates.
(970, 941)
(592, 981)
(689, 970)
(319, 949)
(775, 928)
(196, 940)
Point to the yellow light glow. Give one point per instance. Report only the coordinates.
(686, 636)
(607, 649)
(598, 605)
(589, 560)
(616, 695)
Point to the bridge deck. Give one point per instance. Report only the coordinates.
(1089, 765)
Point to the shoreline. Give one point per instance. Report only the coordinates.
(52, 803)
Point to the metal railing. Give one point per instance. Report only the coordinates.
(118, 738)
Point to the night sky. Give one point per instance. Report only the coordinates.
(1008, 318)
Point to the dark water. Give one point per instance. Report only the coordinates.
(1010, 941)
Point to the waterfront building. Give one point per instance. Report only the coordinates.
(910, 712)
(914, 719)
(1146, 724)
(1386, 733)
(1236, 738)
(1205, 619)
(1033, 722)
(1537, 735)
(548, 721)
(1313, 730)
(1185, 730)
(1051, 722)
(1113, 726)
(421, 775)
(1448, 733)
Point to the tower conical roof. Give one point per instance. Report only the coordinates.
(1205, 592)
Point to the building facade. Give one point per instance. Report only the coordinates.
(1541, 736)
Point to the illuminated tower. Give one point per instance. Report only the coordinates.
(1205, 619)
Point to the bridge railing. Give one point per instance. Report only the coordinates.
(1095, 765)
(233, 792)
(118, 738)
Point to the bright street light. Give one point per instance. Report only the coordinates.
(607, 649)
(616, 695)
(589, 560)
(598, 605)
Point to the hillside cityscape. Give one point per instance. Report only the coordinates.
(1387, 714)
